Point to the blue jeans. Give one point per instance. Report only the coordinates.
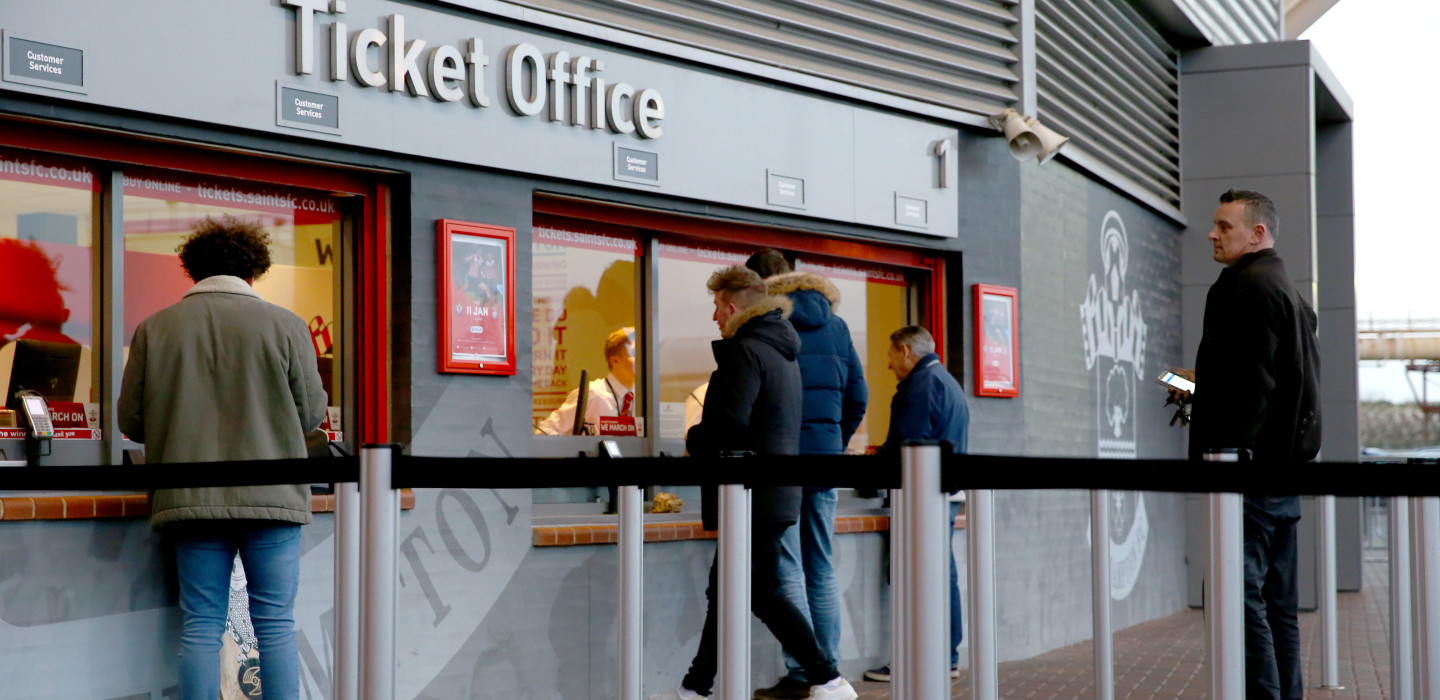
(807, 574)
(957, 630)
(204, 555)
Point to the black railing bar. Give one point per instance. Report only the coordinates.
(872, 472)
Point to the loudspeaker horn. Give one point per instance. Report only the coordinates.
(1050, 142)
(1024, 144)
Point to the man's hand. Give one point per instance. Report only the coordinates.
(1180, 397)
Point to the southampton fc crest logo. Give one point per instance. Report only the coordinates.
(1115, 350)
(1114, 342)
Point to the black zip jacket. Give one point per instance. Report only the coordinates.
(754, 401)
(1257, 372)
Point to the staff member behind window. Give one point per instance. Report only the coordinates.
(223, 375)
(611, 395)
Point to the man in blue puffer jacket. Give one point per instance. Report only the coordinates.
(834, 400)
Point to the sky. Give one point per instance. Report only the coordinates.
(1383, 52)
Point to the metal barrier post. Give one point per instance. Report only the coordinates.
(1225, 606)
(347, 591)
(925, 622)
(1402, 682)
(899, 594)
(734, 595)
(1329, 646)
(631, 537)
(1100, 594)
(379, 528)
(980, 531)
(1426, 575)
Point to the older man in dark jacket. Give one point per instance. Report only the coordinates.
(928, 405)
(754, 405)
(834, 400)
(1257, 376)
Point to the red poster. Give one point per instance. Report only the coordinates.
(997, 350)
(477, 300)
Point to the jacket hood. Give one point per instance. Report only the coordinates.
(815, 297)
(759, 309)
(768, 325)
(223, 284)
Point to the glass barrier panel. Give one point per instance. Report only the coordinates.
(46, 286)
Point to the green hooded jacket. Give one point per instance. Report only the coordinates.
(223, 375)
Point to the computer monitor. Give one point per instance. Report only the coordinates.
(44, 367)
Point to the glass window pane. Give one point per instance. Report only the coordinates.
(583, 318)
(685, 312)
(46, 273)
(874, 301)
(161, 209)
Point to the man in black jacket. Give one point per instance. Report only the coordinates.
(834, 397)
(1257, 377)
(753, 405)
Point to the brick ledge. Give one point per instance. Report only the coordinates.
(572, 535)
(123, 506)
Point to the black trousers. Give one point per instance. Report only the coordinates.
(771, 605)
(1272, 628)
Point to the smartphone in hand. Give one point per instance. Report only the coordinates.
(1170, 379)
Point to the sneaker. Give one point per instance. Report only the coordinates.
(881, 674)
(954, 672)
(679, 694)
(786, 689)
(838, 689)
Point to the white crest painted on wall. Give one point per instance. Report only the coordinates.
(1114, 331)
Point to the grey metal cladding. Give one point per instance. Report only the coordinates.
(1226, 22)
(962, 54)
(1108, 80)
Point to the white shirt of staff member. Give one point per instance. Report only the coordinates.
(607, 395)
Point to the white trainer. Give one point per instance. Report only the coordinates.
(680, 694)
(841, 690)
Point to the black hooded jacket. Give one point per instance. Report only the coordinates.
(1257, 372)
(754, 400)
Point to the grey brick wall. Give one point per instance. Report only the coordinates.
(1042, 545)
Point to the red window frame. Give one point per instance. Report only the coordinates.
(373, 321)
(761, 236)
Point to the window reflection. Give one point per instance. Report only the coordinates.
(685, 311)
(583, 319)
(46, 273)
(874, 301)
(161, 208)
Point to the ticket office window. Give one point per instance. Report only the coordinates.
(161, 209)
(47, 205)
(875, 301)
(685, 310)
(584, 324)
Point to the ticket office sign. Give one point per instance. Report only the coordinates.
(476, 309)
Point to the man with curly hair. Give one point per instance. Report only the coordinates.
(223, 375)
